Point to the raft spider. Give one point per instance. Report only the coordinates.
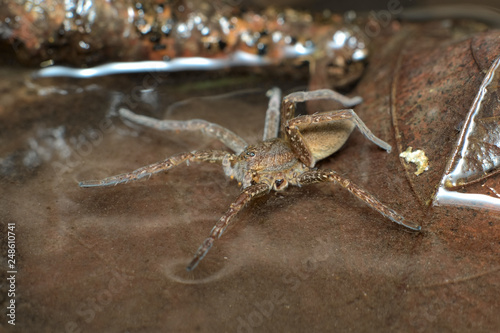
(290, 149)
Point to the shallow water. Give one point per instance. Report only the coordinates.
(308, 259)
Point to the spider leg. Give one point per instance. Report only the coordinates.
(316, 176)
(213, 156)
(227, 137)
(288, 105)
(245, 196)
(307, 154)
(272, 125)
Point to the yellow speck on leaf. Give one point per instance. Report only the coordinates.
(418, 157)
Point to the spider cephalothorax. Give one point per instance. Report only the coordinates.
(271, 162)
(274, 163)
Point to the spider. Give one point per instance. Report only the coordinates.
(290, 149)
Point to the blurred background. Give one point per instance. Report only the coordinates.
(48, 32)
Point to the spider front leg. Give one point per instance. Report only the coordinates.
(245, 196)
(212, 156)
(316, 176)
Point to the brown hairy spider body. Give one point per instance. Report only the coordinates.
(276, 162)
(271, 162)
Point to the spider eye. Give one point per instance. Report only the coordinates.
(250, 154)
